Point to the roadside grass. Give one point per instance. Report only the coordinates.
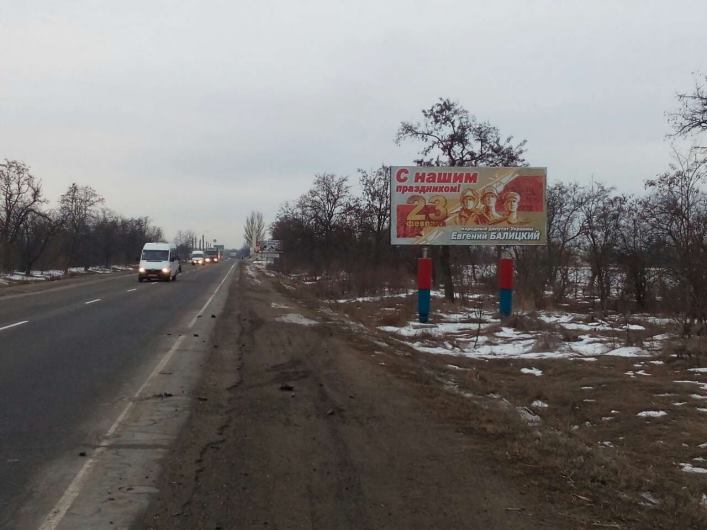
(591, 452)
(692, 349)
(590, 446)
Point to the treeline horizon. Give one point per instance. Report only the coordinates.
(79, 232)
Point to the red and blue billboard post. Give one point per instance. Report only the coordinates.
(505, 286)
(424, 284)
(467, 206)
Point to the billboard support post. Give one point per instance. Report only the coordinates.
(424, 284)
(505, 285)
(467, 206)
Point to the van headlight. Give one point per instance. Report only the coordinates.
(141, 269)
(165, 270)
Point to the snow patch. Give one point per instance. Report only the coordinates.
(629, 351)
(371, 298)
(294, 318)
(652, 414)
(528, 415)
(689, 468)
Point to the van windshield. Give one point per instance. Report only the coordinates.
(155, 255)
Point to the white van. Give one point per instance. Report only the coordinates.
(158, 261)
(197, 257)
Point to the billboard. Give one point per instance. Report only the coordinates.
(468, 205)
(269, 245)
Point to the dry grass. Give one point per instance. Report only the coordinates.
(528, 322)
(396, 317)
(547, 341)
(692, 348)
(592, 455)
(568, 453)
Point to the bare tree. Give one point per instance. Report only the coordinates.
(77, 210)
(453, 137)
(550, 265)
(691, 117)
(298, 240)
(375, 206)
(254, 230)
(184, 241)
(104, 236)
(564, 227)
(20, 197)
(322, 228)
(676, 210)
(634, 247)
(34, 236)
(326, 204)
(139, 231)
(602, 216)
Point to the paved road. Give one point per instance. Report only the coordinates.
(67, 359)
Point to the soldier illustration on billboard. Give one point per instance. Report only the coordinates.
(468, 211)
(511, 201)
(488, 214)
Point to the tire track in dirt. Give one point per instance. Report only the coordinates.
(301, 427)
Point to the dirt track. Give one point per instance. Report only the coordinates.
(322, 427)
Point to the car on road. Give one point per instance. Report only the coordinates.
(197, 257)
(212, 255)
(158, 261)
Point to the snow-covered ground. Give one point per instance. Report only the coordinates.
(54, 274)
(476, 334)
(450, 335)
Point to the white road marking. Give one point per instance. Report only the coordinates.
(13, 325)
(193, 320)
(93, 301)
(67, 499)
(131, 290)
(55, 517)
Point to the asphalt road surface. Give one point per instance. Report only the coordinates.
(70, 358)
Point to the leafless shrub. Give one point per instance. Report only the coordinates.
(693, 348)
(568, 335)
(398, 317)
(547, 341)
(529, 322)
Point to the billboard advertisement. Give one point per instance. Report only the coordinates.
(468, 205)
(269, 245)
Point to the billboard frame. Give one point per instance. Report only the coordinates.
(436, 205)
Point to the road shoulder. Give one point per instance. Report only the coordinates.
(304, 421)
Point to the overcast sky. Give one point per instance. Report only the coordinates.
(194, 113)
